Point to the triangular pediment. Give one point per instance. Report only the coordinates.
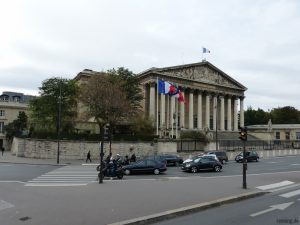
(203, 72)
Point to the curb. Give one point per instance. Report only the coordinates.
(170, 214)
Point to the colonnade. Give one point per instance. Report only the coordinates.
(202, 109)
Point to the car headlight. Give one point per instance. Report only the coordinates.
(188, 165)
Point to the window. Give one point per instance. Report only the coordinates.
(4, 98)
(287, 135)
(297, 135)
(277, 135)
(2, 113)
(1, 127)
(16, 99)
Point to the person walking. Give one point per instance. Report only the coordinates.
(2, 150)
(88, 157)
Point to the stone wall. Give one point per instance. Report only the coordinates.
(47, 149)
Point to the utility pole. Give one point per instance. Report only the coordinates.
(59, 121)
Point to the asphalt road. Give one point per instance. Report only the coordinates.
(23, 172)
(27, 172)
(278, 207)
(60, 201)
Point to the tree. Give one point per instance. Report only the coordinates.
(285, 115)
(254, 117)
(129, 83)
(45, 108)
(16, 127)
(106, 101)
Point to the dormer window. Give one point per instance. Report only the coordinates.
(16, 98)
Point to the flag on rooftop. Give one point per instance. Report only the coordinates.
(205, 50)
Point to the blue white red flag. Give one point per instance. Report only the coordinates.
(205, 50)
(166, 88)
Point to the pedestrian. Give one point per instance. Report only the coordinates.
(2, 150)
(133, 158)
(88, 157)
(126, 160)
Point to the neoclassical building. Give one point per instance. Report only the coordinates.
(213, 99)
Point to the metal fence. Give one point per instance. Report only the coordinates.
(231, 145)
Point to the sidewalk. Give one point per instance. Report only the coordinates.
(9, 158)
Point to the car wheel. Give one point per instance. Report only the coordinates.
(127, 172)
(217, 168)
(194, 169)
(156, 171)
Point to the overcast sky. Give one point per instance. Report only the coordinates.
(257, 42)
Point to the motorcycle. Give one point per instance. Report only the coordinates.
(109, 171)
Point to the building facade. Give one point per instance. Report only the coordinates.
(11, 103)
(213, 100)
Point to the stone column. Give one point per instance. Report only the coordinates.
(207, 115)
(199, 111)
(172, 111)
(242, 123)
(182, 114)
(162, 111)
(191, 109)
(215, 106)
(235, 115)
(152, 102)
(222, 114)
(229, 116)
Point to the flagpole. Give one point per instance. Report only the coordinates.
(176, 112)
(157, 106)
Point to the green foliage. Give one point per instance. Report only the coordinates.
(285, 115)
(280, 115)
(143, 126)
(45, 108)
(195, 135)
(255, 117)
(129, 83)
(17, 127)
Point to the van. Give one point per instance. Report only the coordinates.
(221, 155)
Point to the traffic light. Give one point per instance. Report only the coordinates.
(243, 133)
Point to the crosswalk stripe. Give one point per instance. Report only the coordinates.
(65, 176)
(291, 194)
(275, 185)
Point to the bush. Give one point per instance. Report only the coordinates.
(195, 135)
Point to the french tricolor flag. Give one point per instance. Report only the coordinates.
(166, 88)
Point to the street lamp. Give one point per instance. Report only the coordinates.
(59, 121)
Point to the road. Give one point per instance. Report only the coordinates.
(71, 194)
(279, 207)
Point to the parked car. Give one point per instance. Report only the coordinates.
(211, 156)
(192, 158)
(145, 166)
(169, 159)
(250, 156)
(202, 163)
(222, 156)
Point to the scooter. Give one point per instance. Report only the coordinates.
(108, 171)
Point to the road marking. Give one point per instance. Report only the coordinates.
(296, 164)
(53, 185)
(291, 194)
(273, 207)
(275, 185)
(5, 205)
(11, 181)
(283, 188)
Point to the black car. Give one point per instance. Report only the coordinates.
(169, 159)
(145, 166)
(250, 156)
(202, 164)
(221, 155)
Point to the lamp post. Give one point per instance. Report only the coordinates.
(216, 107)
(59, 121)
